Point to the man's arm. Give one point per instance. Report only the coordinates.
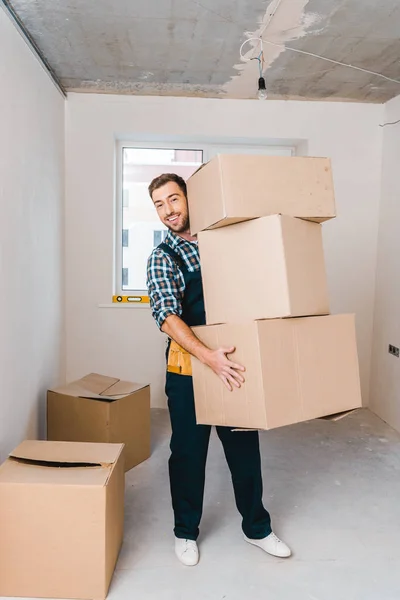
(228, 371)
(166, 304)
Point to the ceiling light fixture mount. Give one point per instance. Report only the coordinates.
(262, 89)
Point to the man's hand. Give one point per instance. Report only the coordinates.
(217, 360)
(228, 371)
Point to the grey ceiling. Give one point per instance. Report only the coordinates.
(191, 48)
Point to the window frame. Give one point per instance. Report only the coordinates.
(209, 150)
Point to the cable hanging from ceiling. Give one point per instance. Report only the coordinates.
(272, 10)
(262, 91)
(262, 88)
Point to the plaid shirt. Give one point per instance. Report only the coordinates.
(165, 281)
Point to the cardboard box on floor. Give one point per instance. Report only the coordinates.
(266, 268)
(61, 516)
(102, 409)
(233, 188)
(296, 370)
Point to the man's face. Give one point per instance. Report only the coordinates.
(172, 208)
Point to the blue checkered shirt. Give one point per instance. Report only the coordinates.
(165, 281)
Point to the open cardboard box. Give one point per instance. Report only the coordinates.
(61, 515)
(102, 409)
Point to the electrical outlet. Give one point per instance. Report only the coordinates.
(394, 350)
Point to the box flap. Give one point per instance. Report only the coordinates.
(74, 453)
(99, 387)
(98, 384)
(339, 416)
(90, 386)
(243, 429)
(123, 388)
(76, 390)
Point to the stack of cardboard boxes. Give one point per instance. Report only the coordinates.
(258, 221)
(62, 500)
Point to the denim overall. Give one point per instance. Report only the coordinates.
(189, 441)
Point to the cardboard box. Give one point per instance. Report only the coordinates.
(233, 188)
(62, 514)
(102, 409)
(267, 268)
(296, 370)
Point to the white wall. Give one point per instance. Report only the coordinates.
(385, 374)
(125, 342)
(31, 266)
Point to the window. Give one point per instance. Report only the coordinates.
(139, 229)
(158, 237)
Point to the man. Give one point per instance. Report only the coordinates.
(176, 297)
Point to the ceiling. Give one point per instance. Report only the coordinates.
(191, 48)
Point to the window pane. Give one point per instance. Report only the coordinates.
(140, 166)
(157, 238)
(125, 278)
(125, 238)
(125, 198)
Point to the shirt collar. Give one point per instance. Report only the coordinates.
(174, 240)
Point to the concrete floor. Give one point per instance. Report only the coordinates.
(333, 490)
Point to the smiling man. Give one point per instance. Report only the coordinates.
(176, 297)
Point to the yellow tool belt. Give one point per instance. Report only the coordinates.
(179, 361)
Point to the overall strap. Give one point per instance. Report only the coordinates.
(174, 255)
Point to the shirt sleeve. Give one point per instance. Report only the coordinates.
(163, 287)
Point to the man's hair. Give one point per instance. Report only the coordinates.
(167, 178)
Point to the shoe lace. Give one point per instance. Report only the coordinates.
(275, 538)
(190, 545)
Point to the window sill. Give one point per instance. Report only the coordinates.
(123, 305)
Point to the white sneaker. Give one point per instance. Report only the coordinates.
(187, 552)
(271, 544)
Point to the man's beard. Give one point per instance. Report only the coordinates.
(182, 229)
